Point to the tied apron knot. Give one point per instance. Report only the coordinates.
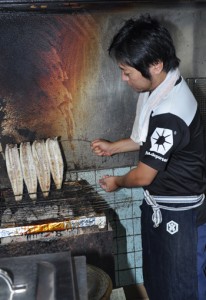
(157, 215)
(195, 201)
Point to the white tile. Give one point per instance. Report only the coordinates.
(138, 259)
(138, 242)
(127, 277)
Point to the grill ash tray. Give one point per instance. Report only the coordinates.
(74, 206)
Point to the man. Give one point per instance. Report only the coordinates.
(169, 136)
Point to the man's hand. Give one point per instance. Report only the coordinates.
(106, 148)
(101, 147)
(108, 183)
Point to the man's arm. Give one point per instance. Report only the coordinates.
(105, 148)
(142, 175)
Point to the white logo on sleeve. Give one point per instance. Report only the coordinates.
(161, 140)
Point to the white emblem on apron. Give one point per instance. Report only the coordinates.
(172, 227)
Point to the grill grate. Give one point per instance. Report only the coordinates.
(75, 199)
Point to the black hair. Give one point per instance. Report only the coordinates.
(144, 42)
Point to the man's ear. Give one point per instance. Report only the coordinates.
(156, 68)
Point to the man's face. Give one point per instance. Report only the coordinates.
(135, 79)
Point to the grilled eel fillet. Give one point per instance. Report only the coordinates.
(42, 166)
(55, 161)
(14, 170)
(28, 169)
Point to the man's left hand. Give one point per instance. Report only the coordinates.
(108, 183)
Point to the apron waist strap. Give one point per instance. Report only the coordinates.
(154, 201)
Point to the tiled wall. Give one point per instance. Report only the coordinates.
(124, 217)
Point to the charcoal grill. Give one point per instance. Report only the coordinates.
(74, 208)
(72, 218)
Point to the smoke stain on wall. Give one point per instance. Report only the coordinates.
(45, 64)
